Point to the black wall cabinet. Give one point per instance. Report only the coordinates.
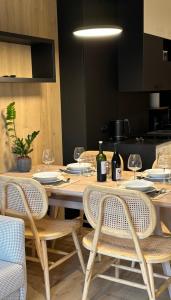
(146, 66)
(42, 57)
(144, 59)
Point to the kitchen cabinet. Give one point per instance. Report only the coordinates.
(144, 60)
(42, 57)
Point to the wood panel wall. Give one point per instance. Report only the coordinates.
(157, 19)
(37, 104)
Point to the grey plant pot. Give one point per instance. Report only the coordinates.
(24, 164)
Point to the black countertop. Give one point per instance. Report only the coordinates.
(160, 133)
(145, 141)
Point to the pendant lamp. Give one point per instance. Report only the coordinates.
(99, 19)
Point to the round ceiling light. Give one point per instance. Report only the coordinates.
(97, 32)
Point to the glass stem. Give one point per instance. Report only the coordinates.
(134, 175)
(164, 178)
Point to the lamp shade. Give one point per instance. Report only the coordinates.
(98, 19)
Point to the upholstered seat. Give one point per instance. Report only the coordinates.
(11, 278)
(12, 259)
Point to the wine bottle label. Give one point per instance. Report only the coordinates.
(103, 167)
(118, 173)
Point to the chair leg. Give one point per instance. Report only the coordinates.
(117, 269)
(81, 217)
(145, 276)
(151, 277)
(133, 264)
(46, 269)
(88, 275)
(79, 252)
(99, 256)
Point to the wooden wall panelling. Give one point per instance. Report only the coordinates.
(38, 105)
(157, 19)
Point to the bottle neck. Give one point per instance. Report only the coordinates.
(116, 149)
(100, 148)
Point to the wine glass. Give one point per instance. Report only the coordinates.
(48, 157)
(77, 153)
(134, 163)
(164, 162)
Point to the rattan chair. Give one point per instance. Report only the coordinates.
(123, 222)
(93, 153)
(26, 198)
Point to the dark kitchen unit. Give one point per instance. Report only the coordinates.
(99, 82)
(145, 147)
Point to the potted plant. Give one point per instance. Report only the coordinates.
(21, 147)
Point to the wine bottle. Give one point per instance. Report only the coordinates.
(101, 164)
(116, 166)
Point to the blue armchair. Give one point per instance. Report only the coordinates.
(12, 259)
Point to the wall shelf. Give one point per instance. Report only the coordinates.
(42, 57)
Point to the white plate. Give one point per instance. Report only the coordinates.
(48, 176)
(157, 173)
(140, 185)
(78, 166)
(48, 181)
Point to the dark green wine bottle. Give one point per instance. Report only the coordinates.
(101, 164)
(116, 166)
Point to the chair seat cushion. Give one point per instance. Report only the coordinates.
(49, 229)
(11, 278)
(155, 248)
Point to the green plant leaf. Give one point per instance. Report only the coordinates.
(9, 123)
(11, 112)
(10, 129)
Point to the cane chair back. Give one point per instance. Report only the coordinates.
(121, 210)
(154, 165)
(19, 193)
(93, 153)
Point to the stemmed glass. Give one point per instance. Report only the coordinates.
(134, 163)
(48, 157)
(77, 153)
(164, 162)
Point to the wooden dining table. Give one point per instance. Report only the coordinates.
(70, 194)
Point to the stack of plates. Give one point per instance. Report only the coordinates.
(48, 177)
(157, 173)
(77, 168)
(140, 185)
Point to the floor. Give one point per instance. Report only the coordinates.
(67, 282)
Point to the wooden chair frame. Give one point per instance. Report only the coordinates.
(146, 268)
(41, 244)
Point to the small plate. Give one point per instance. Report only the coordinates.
(45, 177)
(140, 185)
(78, 166)
(157, 173)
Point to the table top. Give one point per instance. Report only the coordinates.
(75, 187)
